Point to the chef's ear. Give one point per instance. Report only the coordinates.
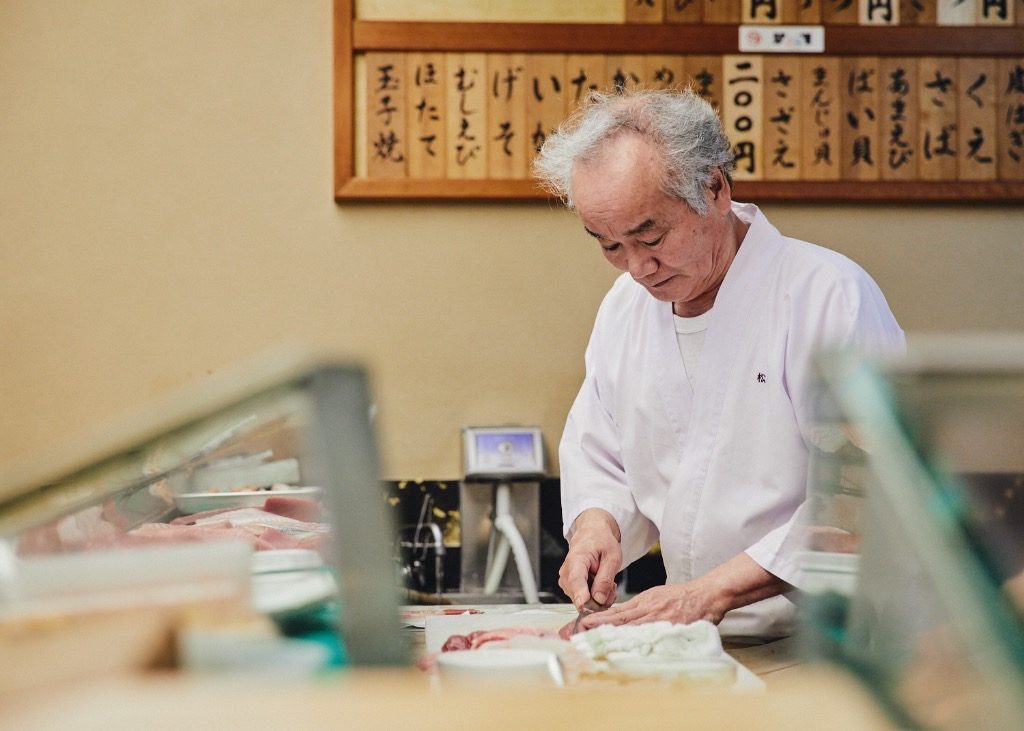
(720, 181)
(721, 189)
(716, 185)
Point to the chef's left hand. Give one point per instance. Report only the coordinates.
(735, 583)
(678, 603)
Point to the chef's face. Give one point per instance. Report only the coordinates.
(676, 254)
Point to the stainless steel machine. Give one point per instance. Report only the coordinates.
(500, 508)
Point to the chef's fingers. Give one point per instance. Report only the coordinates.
(614, 616)
(603, 587)
(572, 578)
(595, 606)
(565, 632)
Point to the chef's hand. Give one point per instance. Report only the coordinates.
(736, 583)
(594, 551)
(678, 603)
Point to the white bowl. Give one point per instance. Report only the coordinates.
(500, 667)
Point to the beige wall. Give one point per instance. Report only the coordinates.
(166, 209)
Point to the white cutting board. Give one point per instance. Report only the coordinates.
(439, 628)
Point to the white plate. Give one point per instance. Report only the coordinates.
(285, 559)
(199, 502)
(282, 594)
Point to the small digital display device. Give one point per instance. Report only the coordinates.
(503, 452)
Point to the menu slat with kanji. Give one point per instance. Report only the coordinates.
(789, 118)
(910, 99)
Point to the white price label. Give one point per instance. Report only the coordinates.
(782, 39)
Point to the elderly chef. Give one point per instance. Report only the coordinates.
(692, 423)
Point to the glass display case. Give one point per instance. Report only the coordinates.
(262, 481)
(915, 560)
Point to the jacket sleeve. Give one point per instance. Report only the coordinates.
(592, 472)
(848, 311)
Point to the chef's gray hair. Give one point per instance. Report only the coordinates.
(684, 128)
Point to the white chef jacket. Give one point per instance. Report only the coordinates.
(719, 468)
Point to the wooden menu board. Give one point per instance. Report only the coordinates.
(906, 105)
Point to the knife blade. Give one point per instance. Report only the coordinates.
(589, 607)
(576, 624)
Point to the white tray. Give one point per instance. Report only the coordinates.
(199, 502)
(439, 628)
(548, 616)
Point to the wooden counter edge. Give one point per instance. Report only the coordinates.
(394, 698)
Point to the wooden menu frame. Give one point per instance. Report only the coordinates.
(353, 36)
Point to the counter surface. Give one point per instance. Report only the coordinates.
(404, 698)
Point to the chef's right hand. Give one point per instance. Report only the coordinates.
(594, 551)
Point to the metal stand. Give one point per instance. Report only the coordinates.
(506, 538)
(418, 548)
